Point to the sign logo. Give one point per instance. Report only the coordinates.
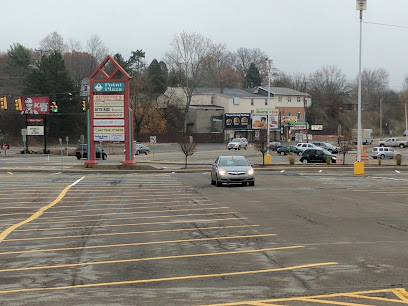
(109, 86)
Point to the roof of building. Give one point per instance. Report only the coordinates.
(211, 106)
(248, 92)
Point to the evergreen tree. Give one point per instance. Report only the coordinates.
(252, 78)
(157, 77)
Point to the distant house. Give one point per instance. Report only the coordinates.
(220, 110)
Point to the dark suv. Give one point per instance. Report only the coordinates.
(317, 156)
(84, 150)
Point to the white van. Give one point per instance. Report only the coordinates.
(366, 136)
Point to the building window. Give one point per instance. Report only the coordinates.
(85, 87)
(298, 116)
(298, 99)
(289, 99)
(280, 99)
(266, 101)
(236, 101)
(289, 114)
(252, 102)
(212, 100)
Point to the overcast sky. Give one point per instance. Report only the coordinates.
(301, 36)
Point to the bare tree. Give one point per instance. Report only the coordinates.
(261, 144)
(188, 56)
(54, 42)
(218, 65)
(74, 45)
(97, 49)
(243, 59)
(188, 147)
(346, 144)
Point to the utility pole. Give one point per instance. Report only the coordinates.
(380, 118)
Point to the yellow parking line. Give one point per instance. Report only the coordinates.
(37, 214)
(127, 213)
(11, 173)
(367, 297)
(401, 293)
(328, 302)
(115, 208)
(132, 218)
(165, 279)
(136, 244)
(128, 224)
(151, 259)
(132, 233)
(312, 298)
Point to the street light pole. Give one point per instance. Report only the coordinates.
(358, 166)
(269, 105)
(406, 118)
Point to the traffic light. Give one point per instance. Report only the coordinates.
(17, 102)
(83, 103)
(3, 102)
(54, 107)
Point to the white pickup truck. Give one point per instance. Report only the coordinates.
(394, 142)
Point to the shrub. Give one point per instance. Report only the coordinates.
(291, 159)
(379, 161)
(328, 160)
(398, 159)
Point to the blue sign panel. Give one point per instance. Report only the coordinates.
(109, 86)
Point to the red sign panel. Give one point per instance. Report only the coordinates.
(35, 105)
(34, 120)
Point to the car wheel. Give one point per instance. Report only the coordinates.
(245, 147)
(375, 157)
(330, 150)
(382, 156)
(300, 153)
(78, 157)
(137, 152)
(104, 156)
(239, 148)
(305, 161)
(402, 146)
(381, 145)
(282, 153)
(229, 148)
(252, 183)
(217, 182)
(147, 153)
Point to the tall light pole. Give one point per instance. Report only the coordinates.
(406, 118)
(269, 63)
(359, 166)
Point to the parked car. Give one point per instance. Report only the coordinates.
(289, 149)
(384, 152)
(405, 133)
(141, 148)
(82, 152)
(328, 146)
(317, 156)
(274, 145)
(237, 144)
(232, 170)
(304, 146)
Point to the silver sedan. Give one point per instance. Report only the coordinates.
(232, 170)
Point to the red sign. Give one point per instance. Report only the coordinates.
(34, 120)
(35, 105)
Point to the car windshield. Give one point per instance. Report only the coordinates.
(236, 140)
(228, 162)
(326, 152)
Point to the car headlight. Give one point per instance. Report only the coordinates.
(251, 171)
(221, 172)
(334, 157)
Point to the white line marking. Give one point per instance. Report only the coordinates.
(77, 181)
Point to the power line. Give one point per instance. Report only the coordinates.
(387, 25)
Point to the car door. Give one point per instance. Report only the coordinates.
(320, 156)
(312, 155)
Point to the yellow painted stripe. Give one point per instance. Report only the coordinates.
(37, 214)
(130, 224)
(150, 259)
(100, 195)
(113, 208)
(332, 295)
(136, 243)
(132, 218)
(11, 173)
(401, 293)
(376, 298)
(166, 279)
(133, 233)
(319, 301)
(141, 212)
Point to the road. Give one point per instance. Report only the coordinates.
(297, 238)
